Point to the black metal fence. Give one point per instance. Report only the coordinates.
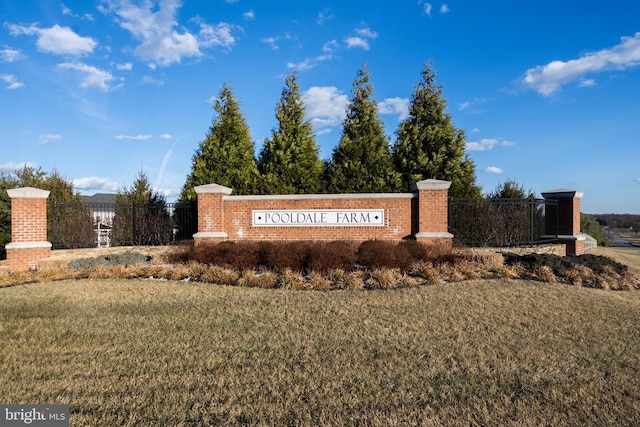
(502, 222)
(84, 225)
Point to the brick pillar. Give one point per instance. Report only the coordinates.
(28, 229)
(211, 213)
(433, 213)
(565, 218)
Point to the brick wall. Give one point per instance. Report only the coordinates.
(421, 214)
(397, 217)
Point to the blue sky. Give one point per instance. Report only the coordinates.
(548, 92)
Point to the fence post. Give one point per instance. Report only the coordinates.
(28, 228)
(567, 219)
(211, 213)
(433, 213)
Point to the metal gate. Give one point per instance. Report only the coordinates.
(84, 225)
(503, 222)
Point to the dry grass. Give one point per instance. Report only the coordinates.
(482, 352)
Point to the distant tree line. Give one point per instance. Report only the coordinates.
(427, 146)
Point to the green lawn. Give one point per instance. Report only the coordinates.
(492, 352)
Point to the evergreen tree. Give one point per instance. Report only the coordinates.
(511, 189)
(429, 146)
(226, 155)
(72, 217)
(361, 162)
(142, 215)
(289, 162)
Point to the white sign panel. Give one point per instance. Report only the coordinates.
(319, 218)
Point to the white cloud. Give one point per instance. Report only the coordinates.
(362, 40)
(357, 42)
(487, 144)
(11, 81)
(586, 83)
(493, 169)
(367, 33)
(125, 67)
(47, 138)
(57, 40)
(249, 15)
(10, 55)
(444, 8)
(399, 106)
(427, 9)
(151, 80)
(94, 183)
(166, 136)
(11, 167)
(473, 103)
(133, 137)
(92, 77)
(328, 49)
(307, 64)
(66, 10)
(218, 35)
(154, 25)
(547, 79)
(326, 106)
(273, 41)
(324, 16)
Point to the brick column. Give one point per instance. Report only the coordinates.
(565, 218)
(210, 213)
(433, 213)
(28, 229)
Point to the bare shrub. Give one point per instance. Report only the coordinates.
(286, 255)
(468, 269)
(264, 279)
(318, 281)
(426, 272)
(545, 274)
(580, 275)
(220, 275)
(377, 254)
(326, 256)
(338, 278)
(228, 254)
(355, 280)
(508, 271)
(408, 281)
(383, 278)
(288, 279)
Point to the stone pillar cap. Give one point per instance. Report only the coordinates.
(431, 184)
(213, 189)
(562, 193)
(28, 193)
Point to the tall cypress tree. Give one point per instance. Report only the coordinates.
(226, 155)
(361, 162)
(289, 161)
(429, 146)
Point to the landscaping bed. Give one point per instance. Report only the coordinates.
(334, 265)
